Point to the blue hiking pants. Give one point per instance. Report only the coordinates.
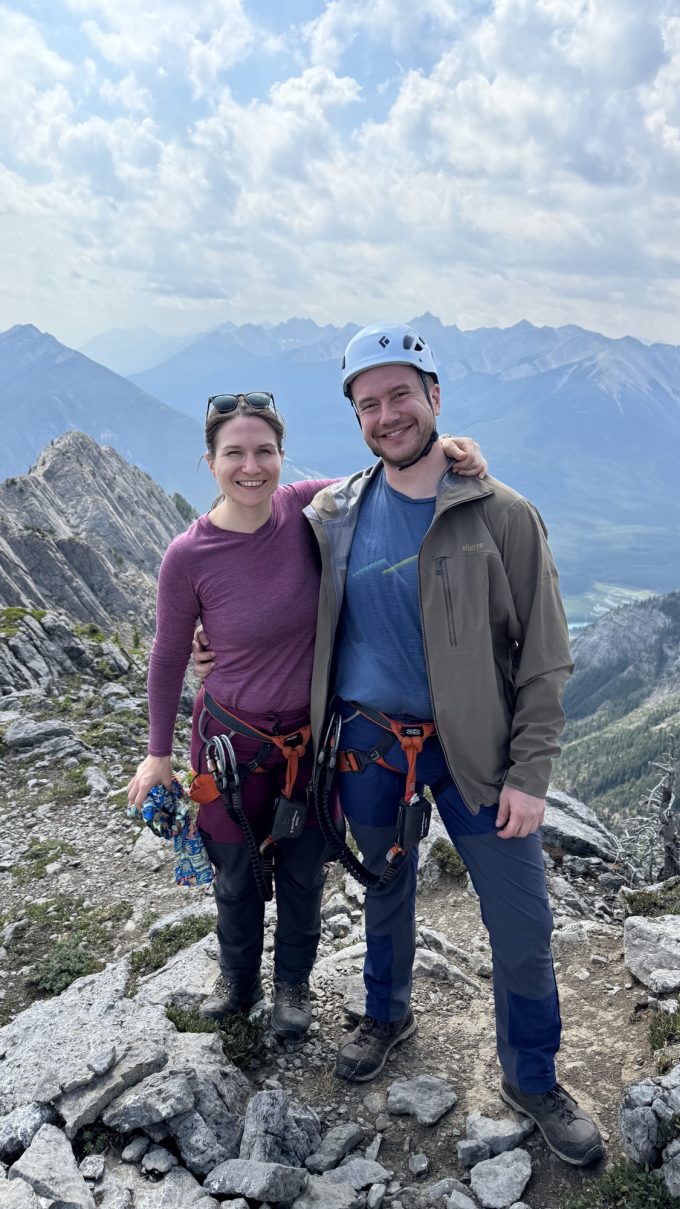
(509, 878)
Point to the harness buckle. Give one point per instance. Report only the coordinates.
(358, 761)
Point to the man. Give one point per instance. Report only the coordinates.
(440, 603)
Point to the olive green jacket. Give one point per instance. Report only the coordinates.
(494, 629)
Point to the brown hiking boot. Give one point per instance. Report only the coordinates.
(569, 1132)
(364, 1055)
(292, 1011)
(230, 996)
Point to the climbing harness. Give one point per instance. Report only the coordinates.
(226, 776)
(414, 814)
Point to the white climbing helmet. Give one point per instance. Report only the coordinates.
(385, 344)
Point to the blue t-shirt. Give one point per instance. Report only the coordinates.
(380, 660)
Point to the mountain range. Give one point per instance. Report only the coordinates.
(586, 426)
(622, 704)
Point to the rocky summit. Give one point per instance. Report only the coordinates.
(84, 531)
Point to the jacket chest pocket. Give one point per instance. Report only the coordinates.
(442, 572)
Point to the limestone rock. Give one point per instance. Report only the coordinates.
(319, 1194)
(506, 1134)
(124, 1188)
(458, 1200)
(497, 1183)
(90, 1015)
(471, 1151)
(18, 1195)
(435, 965)
(358, 1172)
(337, 1143)
(259, 1181)
(156, 1098)
(425, 1097)
(158, 1161)
(50, 1168)
(572, 827)
(19, 1127)
(652, 945)
(264, 1125)
(187, 978)
(26, 733)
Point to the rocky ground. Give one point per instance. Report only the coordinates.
(81, 885)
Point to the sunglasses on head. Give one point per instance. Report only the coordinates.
(226, 403)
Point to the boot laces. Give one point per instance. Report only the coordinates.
(561, 1102)
(297, 993)
(369, 1027)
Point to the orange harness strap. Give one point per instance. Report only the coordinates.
(292, 746)
(411, 737)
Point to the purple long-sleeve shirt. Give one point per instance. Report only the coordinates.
(256, 595)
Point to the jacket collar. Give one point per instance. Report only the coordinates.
(337, 499)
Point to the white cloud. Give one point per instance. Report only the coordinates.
(397, 24)
(528, 164)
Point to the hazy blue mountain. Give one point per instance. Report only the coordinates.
(47, 389)
(131, 350)
(586, 426)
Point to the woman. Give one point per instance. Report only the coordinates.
(248, 569)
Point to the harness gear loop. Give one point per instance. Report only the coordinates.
(221, 759)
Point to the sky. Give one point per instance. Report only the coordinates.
(177, 164)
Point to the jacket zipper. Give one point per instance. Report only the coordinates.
(443, 572)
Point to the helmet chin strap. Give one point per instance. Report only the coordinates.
(434, 436)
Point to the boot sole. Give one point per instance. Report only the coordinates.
(286, 1033)
(596, 1152)
(350, 1078)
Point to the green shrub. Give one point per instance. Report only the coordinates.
(91, 631)
(187, 513)
(38, 855)
(66, 962)
(190, 1022)
(664, 1029)
(243, 1038)
(625, 1186)
(664, 900)
(65, 940)
(96, 1139)
(447, 858)
(168, 942)
(9, 618)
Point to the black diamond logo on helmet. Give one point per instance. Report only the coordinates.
(384, 341)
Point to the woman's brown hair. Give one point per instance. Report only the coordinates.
(217, 418)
